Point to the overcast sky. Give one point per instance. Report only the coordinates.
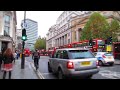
(45, 19)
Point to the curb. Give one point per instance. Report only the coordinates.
(117, 62)
(37, 72)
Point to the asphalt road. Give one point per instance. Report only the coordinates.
(106, 72)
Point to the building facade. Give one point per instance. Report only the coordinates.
(69, 26)
(78, 23)
(8, 27)
(19, 39)
(60, 33)
(32, 33)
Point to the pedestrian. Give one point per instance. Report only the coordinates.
(1, 58)
(15, 55)
(7, 62)
(36, 58)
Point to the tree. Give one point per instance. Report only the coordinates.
(114, 29)
(40, 43)
(96, 27)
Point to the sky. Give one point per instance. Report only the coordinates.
(45, 19)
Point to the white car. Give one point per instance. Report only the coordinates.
(104, 58)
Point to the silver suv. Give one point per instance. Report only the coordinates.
(73, 62)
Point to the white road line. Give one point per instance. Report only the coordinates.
(29, 66)
(38, 72)
(110, 74)
(46, 73)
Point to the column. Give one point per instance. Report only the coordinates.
(77, 36)
(58, 42)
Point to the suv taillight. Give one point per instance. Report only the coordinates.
(103, 56)
(97, 63)
(70, 65)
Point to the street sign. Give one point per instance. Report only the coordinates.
(23, 25)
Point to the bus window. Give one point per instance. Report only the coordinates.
(101, 42)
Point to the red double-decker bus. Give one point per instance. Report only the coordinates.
(43, 52)
(27, 52)
(98, 45)
(116, 50)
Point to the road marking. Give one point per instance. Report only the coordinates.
(29, 66)
(37, 72)
(110, 74)
(46, 73)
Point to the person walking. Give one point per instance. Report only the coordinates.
(7, 62)
(15, 55)
(36, 58)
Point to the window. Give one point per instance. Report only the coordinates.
(68, 34)
(7, 19)
(68, 41)
(80, 54)
(65, 55)
(59, 54)
(6, 30)
(101, 42)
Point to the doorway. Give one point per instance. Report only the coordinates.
(4, 46)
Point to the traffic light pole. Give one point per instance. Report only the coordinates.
(23, 57)
(23, 44)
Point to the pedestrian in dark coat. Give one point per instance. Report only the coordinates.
(7, 62)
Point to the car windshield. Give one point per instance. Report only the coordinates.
(80, 54)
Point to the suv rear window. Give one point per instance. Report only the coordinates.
(80, 54)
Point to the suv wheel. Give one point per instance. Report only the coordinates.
(100, 63)
(89, 77)
(60, 74)
(49, 68)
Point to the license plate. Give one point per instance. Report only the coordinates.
(109, 57)
(87, 63)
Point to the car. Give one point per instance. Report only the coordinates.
(73, 62)
(105, 58)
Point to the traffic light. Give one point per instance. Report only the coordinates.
(24, 36)
(109, 40)
(90, 42)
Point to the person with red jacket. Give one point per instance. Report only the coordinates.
(7, 62)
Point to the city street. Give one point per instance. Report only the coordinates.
(106, 72)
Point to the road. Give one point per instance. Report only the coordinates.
(106, 72)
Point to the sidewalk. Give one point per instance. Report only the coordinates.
(117, 62)
(18, 73)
